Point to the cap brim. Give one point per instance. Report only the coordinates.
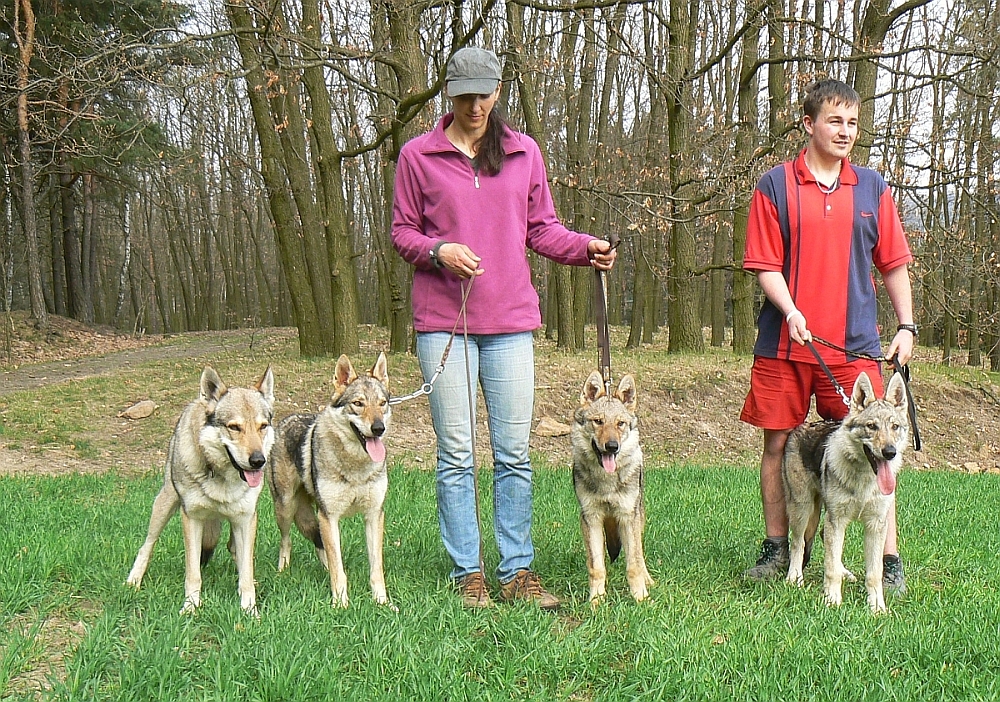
(479, 86)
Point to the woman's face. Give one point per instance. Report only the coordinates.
(472, 111)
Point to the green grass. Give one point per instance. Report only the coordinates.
(67, 543)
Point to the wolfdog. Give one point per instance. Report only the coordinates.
(849, 468)
(333, 463)
(608, 480)
(215, 471)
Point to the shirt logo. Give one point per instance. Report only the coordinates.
(866, 214)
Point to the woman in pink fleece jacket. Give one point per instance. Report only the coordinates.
(471, 197)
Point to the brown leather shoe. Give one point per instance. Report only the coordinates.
(526, 586)
(472, 588)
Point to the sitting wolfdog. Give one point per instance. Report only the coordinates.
(849, 468)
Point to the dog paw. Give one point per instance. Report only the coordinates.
(283, 563)
(340, 600)
(190, 606)
(877, 605)
(833, 599)
(640, 592)
(132, 582)
(849, 576)
(796, 579)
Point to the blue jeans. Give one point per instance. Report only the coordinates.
(504, 365)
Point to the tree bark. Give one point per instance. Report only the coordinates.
(311, 341)
(26, 48)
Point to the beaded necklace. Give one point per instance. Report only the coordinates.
(827, 190)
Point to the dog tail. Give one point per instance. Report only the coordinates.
(612, 538)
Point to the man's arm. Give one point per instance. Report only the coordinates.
(897, 285)
(774, 286)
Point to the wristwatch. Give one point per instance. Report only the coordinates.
(912, 328)
(434, 254)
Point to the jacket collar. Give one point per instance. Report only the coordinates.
(437, 141)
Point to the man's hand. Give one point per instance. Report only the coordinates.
(797, 329)
(901, 347)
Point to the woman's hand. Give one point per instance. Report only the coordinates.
(601, 254)
(460, 260)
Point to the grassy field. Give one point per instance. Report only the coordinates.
(66, 544)
(69, 629)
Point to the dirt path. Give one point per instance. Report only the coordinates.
(193, 347)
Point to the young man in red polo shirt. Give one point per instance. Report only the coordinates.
(817, 226)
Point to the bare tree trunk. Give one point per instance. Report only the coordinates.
(330, 166)
(396, 20)
(26, 48)
(746, 143)
(311, 341)
(124, 274)
(685, 320)
(56, 259)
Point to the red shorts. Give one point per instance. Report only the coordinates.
(780, 391)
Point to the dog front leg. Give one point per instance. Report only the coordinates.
(875, 532)
(164, 506)
(593, 541)
(283, 511)
(330, 531)
(244, 535)
(635, 563)
(833, 543)
(375, 537)
(800, 515)
(193, 532)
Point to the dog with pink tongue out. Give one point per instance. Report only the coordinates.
(847, 469)
(608, 480)
(331, 465)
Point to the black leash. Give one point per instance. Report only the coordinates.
(601, 313)
(903, 370)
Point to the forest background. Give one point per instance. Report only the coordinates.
(171, 167)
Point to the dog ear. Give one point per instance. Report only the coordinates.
(627, 392)
(343, 375)
(863, 394)
(593, 388)
(380, 370)
(212, 387)
(896, 391)
(265, 386)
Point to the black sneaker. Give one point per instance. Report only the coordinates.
(893, 579)
(773, 561)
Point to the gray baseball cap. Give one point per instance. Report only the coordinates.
(472, 71)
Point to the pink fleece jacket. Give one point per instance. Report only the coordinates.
(439, 196)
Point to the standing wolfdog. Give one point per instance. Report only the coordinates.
(849, 468)
(608, 480)
(334, 463)
(215, 471)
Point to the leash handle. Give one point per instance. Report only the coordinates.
(601, 314)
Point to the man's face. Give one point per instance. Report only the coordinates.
(833, 133)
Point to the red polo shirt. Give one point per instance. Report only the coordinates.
(824, 244)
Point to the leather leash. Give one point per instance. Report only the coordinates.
(601, 314)
(904, 371)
